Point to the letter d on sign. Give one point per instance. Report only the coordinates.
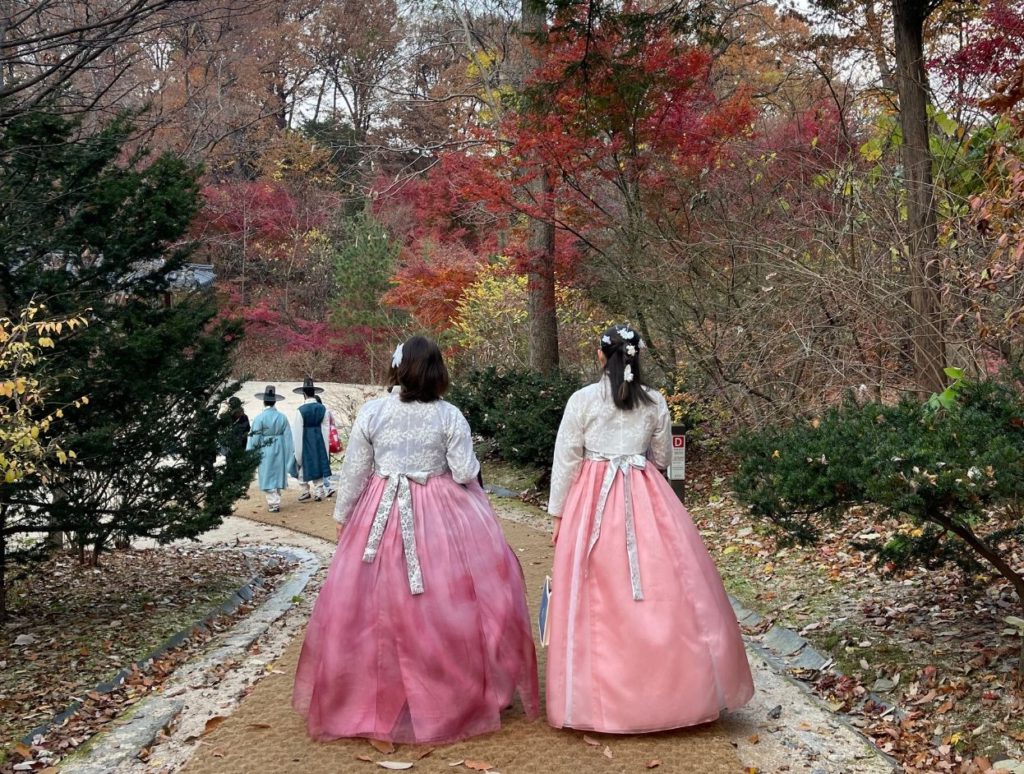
(677, 467)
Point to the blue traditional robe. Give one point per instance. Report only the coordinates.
(311, 435)
(272, 435)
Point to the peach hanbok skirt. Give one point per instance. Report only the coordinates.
(621, 665)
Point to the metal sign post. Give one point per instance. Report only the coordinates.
(677, 466)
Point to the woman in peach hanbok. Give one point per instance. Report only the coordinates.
(642, 635)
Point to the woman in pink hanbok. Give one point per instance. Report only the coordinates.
(642, 635)
(421, 632)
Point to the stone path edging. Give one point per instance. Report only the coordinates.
(240, 596)
(149, 717)
(784, 650)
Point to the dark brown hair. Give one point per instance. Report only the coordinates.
(617, 343)
(422, 374)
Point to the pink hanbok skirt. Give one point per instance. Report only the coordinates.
(618, 665)
(382, 663)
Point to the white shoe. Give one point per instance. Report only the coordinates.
(273, 508)
(305, 497)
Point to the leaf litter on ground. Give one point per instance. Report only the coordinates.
(86, 624)
(932, 641)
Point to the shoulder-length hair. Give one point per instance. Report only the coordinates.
(422, 375)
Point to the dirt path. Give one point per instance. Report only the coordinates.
(265, 735)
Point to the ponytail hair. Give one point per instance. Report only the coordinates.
(621, 346)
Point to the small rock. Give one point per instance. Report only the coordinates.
(882, 685)
(775, 712)
(22, 640)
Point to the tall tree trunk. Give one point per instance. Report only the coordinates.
(925, 296)
(541, 243)
(3, 563)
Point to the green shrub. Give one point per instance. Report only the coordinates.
(944, 467)
(519, 410)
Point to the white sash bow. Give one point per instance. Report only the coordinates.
(616, 464)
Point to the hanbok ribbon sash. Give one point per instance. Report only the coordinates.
(398, 488)
(619, 464)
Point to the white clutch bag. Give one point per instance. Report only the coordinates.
(543, 630)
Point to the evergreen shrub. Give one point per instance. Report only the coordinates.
(519, 410)
(947, 467)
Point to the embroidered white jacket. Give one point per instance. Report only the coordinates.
(592, 422)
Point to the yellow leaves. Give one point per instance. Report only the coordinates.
(27, 446)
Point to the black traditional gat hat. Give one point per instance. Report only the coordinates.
(307, 384)
(269, 395)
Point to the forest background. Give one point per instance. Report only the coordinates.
(813, 213)
(731, 177)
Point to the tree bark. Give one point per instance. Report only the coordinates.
(3, 564)
(929, 350)
(540, 305)
(986, 551)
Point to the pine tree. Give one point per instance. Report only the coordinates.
(91, 222)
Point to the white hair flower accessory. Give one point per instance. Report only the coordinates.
(606, 339)
(396, 359)
(626, 334)
(627, 374)
(630, 350)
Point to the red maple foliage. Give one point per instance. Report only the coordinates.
(991, 57)
(611, 116)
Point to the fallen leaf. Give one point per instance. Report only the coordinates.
(591, 741)
(653, 764)
(477, 765)
(366, 758)
(395, 765)
(753, 739)
(212, 724)
(455, 763)
(382, 747)
(23, 750)
(607, 752)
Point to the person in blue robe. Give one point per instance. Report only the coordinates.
(272, 435)
(311, 434)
